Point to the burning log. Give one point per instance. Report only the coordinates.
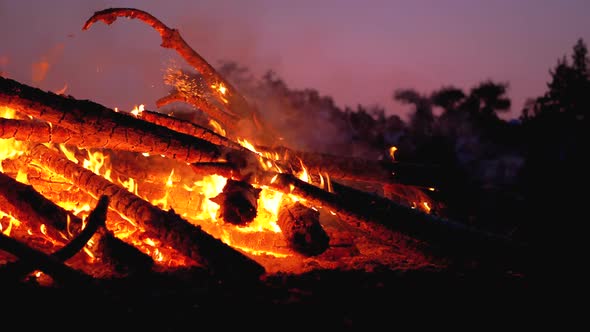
(28, 130)
(220, 168)
(127, 162)
(46, 263)
(148, 168)
(250, 119)
(102, 127)
(187, 127)
(171, 38)
(24, 203)
(120, 255)
(355, 169)
(105, 128)
(238, 202)
(301, 227)
(27, 204)
(453, 238)
(166, 226)
(355, 206)
(96, 220)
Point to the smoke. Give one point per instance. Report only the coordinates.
(304, 119)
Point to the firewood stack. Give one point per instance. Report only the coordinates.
(150, 144)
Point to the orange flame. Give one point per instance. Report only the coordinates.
(392, 151)
(221, 91)
(217, 127)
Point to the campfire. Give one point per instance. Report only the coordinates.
(92, 192)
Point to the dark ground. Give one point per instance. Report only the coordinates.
(323, 299)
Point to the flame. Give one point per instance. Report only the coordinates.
(329, 183)
(163, 202)
(392, 151)
(21, 176)
(130, 185)
(210, 186)
(12, 222)
(220, 87)
(268, 203)
(221, 90)
(9, 147)
(97, 163)
(303, 175)
(69, 154)
(427, 207)
(266, 159)
(217, 127)
(136, 111)
(245, 143)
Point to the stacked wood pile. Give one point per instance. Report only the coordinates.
(45, 120)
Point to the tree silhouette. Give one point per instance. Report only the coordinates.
(488, 98)
(422, 119)
(555, 135)
(568, 95)
(448, 97)
(580, 58)
(453, 120)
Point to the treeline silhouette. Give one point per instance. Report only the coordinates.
(508, 176)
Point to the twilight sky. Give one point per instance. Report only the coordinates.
(357, 51)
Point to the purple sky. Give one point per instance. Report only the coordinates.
(358, 52)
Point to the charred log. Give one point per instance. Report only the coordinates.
(354, 206)
(301, 227)
(46, 263)
(96, 220)
(171, 38)
(356, 169)
(250, 120)
(121, 256)
(187, 127)
(27, 204)
(49, 264)
(169, 227)
(102, 127)
(452, 238)
(238, 202)
(224, 169)
(148, 168)
(28, 130)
